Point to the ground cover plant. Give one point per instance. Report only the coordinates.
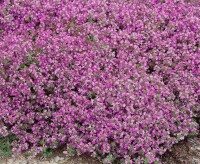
(118, 80)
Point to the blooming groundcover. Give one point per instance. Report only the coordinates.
(118, 80)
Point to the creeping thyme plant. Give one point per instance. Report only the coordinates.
(115, 79)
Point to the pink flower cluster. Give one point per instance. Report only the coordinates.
(119, 80)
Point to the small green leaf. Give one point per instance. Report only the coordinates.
(146, 161)
(46, 152)
(110, 158)
(191, 134)
(71, 152)
(42, 142)
(22, 66)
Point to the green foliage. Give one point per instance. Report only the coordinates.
(91, 95)
(30, 60)
(47, 152)
(192, 134)
(109, 158)
(5, 146)
(71, 152)
(146, 161)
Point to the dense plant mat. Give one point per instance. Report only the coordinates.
(119, 80)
